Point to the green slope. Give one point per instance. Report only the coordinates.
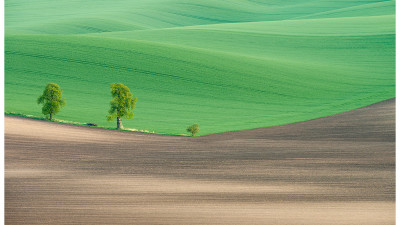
(93, 16)
(235, 66)
(295, 40)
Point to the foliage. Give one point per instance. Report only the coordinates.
(193, 129)
(122, 104)
(51, 99)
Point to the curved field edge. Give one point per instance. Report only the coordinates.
(178, 86)
(14, 114)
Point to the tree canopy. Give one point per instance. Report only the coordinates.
(51, 99)
(122, 104)
(193, 129)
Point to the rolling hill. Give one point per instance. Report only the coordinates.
(226, 65)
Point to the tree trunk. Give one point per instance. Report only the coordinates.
(119, 123)
(51, 117)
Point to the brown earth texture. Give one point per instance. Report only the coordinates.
(333, 170)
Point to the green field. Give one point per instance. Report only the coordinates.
(230, 65)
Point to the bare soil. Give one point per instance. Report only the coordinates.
(333, 170)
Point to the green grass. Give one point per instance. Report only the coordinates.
(224, 66)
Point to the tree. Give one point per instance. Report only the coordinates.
(193, 129)
(51, 99)
(122, 104)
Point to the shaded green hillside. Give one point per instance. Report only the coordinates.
(94, 16)
(235, 66)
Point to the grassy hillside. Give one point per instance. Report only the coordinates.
(227, 66)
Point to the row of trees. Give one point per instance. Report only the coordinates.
(121, 106)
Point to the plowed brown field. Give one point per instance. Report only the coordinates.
(333, 170)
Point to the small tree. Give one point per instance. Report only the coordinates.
(193, 129)
(122, 104)
(51, 99)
